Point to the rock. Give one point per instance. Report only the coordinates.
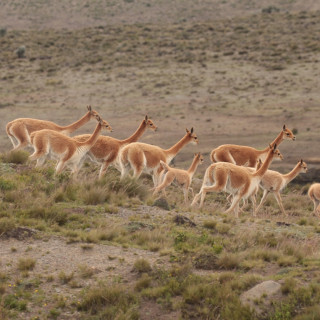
(179, 219)
(161, 203)
(260, 296)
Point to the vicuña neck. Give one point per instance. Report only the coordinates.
(93, 138)
(178, 146)
(194, 166)
(135, 137)
(278, 139)
(76, 125)
(262, 170)
(293, 173)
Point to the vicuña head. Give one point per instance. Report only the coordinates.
(104, 124)
(93, 113)
(193, 137)
(287, 133)
(149, 123)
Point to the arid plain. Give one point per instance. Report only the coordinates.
(235, 71)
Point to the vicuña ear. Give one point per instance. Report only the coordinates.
(98, 118)
(191, 130)
(274, 147)
(284, 127)
(187, 130)
(146, 118)
(301, 161)
(89, 108)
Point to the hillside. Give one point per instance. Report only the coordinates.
(235, 71)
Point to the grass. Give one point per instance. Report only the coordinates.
(26, 264)
(236, 69)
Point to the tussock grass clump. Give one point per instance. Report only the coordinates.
(110, 302)
(288, 286)
(95, 196)
(142, 266)
(7, 185)
(210, 224)
(26, 264)
(51, 215)
(131, 187)
(65, 278)
(6, 224)
(143, 283)
(228, 261)
(17, 157)
(86, 272)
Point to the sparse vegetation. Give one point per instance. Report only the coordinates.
(100, 249)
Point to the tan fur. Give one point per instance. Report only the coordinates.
(68, 150)
(106, 149)
(141, 156)
(275, 182)
(234, 179)
(244, 155)
(314, 195)
(182, 177)
(19, 130)
(259, 163)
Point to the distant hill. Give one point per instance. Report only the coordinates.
(77, 14)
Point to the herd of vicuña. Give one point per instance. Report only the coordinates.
(238, 170)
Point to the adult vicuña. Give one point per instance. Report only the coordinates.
(68, 150)
(234, 179)
(277, 154)
(314, 194)
(19, 130)
(106, 149)
(141, 156)
(182, 177)
(275, 182)
(244, 155)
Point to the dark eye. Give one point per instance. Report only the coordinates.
(150, 124)
(288, 134)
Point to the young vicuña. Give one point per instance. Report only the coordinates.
(68, 150)
(275, 182)
(19, 130)
(182, 177)
(106, 149)
(141, 156)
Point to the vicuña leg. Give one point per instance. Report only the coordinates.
(264, 196)
(168, 178)
(278, 198)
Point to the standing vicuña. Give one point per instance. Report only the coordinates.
(182, 177)
(68, 150)
(106, 149)
(244, 155)
(19, 130)
(237, 180)
(275, 182)
(314, 194)
(141, 156)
